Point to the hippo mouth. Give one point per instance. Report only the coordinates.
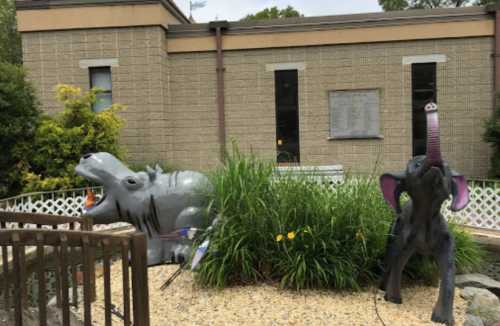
(97, 207)
(91, 203)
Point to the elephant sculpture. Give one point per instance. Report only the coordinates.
(419, 226)
(154, 202)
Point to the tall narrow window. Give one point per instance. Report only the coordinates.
(287, 116)
(100, 77)
(423, 91)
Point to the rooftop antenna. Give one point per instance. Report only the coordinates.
(193, 5)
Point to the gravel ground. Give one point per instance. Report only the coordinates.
(184, 304)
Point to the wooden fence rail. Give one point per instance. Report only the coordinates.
(71, 249)
(14, 220)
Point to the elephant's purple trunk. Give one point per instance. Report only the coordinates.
(433, 143)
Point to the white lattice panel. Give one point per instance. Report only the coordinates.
(63, 203)
(483, 210)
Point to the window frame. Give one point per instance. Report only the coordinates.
(354, 137)
(103, 91)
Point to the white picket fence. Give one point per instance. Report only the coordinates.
(483, 210)
(333, 174)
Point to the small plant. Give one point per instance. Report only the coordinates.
(302, 233)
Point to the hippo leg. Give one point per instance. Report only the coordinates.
(171, 251)
(155, 251)
(180, 251)
(190, 216)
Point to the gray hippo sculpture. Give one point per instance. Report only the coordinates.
(419, 226)
(152, 201)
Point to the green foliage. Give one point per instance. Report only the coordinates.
(492, 136)
(389, 5)
(10, 40)
(487, 2)
(61, 140)
(273, 13)
(18, 121)
(300, 233)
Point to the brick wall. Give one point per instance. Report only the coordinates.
(172, 110)
(140, 80)
(464, 86)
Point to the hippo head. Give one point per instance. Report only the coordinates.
(123, 188)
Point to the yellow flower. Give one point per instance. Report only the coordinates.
(360, 235)
(279, 237)
(291, 235)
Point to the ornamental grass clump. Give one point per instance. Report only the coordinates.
(299, 232)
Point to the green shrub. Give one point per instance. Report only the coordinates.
(492, 136)
(18, 121)
(61, 140)
(10, 39)
(301, 233)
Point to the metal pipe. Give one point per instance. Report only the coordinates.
(497, 57)
(218, 27)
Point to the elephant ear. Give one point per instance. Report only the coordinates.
(391, 185)
(459, 191)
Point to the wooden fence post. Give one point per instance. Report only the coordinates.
(140, 291)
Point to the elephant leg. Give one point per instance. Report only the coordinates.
(443, 310)
(391, 252)
(393, 286)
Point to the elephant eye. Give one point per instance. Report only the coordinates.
(131, 181)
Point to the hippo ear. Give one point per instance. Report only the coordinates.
(459, 191)
(151, 173)
(158, 169)
(392, 188)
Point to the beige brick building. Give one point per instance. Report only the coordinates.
(322, 90)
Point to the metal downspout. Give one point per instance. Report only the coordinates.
(218, 27)
(497, 58)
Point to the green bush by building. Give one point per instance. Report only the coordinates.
(304, 234)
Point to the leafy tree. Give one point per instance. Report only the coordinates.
(492, 136)
(10, 40)
(272, 13)
(18, 121)
(389, 5)
(487, 2)
(61, 140)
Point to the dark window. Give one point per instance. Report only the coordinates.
(287, 116)
(100, 77)
(423, 76)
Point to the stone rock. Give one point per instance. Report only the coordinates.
(471, 320)
(486, 308)
(468, 293)
(478, 281)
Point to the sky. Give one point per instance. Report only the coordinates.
(236, 9)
